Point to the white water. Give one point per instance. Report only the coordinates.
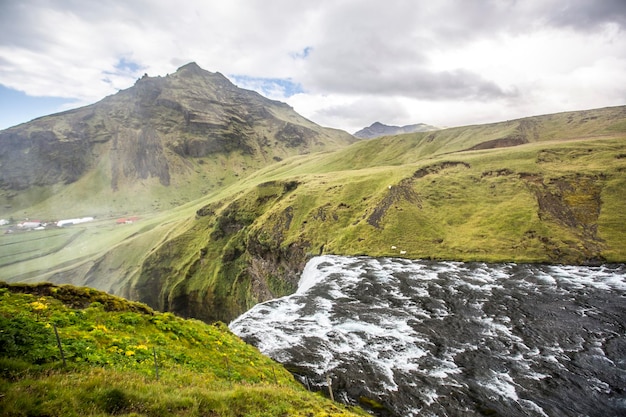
(447, 338)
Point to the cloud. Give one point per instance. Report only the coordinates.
(410, 82)
(351, 112)
(337, 62)
(583, 14)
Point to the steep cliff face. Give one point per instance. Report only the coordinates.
(186, 127)
(224, 264)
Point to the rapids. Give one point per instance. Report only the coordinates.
(453, 339)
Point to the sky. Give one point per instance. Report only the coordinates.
(341, 63)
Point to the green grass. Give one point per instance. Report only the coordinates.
(33, 244)
(109, 345)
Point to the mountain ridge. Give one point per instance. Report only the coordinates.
(378, 129)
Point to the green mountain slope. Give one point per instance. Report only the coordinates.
(549, 199)
(541, 189)
(409, 148)
(122, 358)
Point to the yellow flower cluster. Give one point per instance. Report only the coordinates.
(115, 349)
(38, 306)
(101, 327)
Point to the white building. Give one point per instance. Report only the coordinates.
(29, 224)
(69, 222)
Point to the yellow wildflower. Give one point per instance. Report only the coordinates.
(38, 306)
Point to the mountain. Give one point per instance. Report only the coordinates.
(162, 142)
(538, 189)
(122, 358)
(378, 129)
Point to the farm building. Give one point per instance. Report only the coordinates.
(29, 224)
(70, 222)
(127, 220)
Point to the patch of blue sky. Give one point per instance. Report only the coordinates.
(18, 107)
(302, 54)
(276, 88)
(125, 67)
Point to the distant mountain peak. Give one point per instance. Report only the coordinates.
(378, 129)
(190, 66)
(194, 69)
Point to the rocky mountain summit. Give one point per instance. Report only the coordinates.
(378, 129)
(163, 131)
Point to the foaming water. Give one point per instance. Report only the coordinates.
(453, 339)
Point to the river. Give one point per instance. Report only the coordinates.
(425, 338)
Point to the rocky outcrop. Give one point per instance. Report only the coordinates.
(41, 158)
(233, 264)
(574, 203)
(138, 155)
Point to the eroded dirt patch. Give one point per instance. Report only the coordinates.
(573, 202)
(526, 131)
(434, 169)
(397, 193)
(513, 140)
(403, 191)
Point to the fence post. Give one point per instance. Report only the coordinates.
(156, 365)
(230, 382)
(330, 387)
(56, 333)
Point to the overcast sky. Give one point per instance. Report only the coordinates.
(341, 63)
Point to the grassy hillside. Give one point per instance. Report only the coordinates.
(540, 189)
(547, 200)
(110, 345)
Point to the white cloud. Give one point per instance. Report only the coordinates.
(354, 61)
